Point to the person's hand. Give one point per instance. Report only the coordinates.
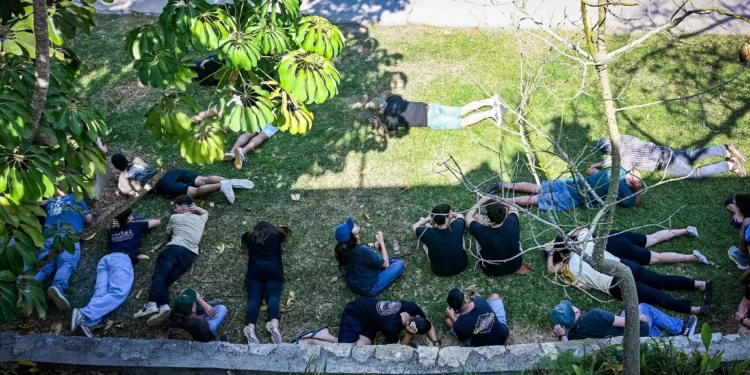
(738, 218)
(193, 207)
(592, 170)
(373, 120)
(208, 310)
(379, 236)
(738, 315)
(644, 318)
(558, 330)
(450, 313)
(412, 328)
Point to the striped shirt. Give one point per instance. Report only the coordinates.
(637, 154)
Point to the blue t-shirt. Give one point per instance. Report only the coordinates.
(599, 182)
(65, 209)
(127, 239)
(481, 326)
(747, 234)
(597, 324)
(362, 269)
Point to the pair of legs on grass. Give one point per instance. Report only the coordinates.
(248, 142)
(61, 269)
(171, 263)
(635, 247)
(650, 286)
(258, 291)
(440, 117)
(178, 182)
(681, 162)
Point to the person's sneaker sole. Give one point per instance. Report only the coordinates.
(226, 189)
(58, 298)
(86, 331)
(242, 183)
(693, 322)
(693, 231)
(158, 319)
(737, 263)
(237, 158)
(251, 339)
(275, 334)
(734, 151)
(144, 313)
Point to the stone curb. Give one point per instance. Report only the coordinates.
(159, 356)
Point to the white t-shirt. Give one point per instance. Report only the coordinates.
(586, 274)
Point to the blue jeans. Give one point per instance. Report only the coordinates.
(681, 163)
(215, 322)
(387, 277)
(63, 266)
(555, 196)
(114, 278)
(658, 321)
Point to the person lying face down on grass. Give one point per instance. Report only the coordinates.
(443, 243)
(397, 113)
(568, 193)
(136, 174)
(478, 322)
(561, 260)
(740, 205)
(114, 274)
(368, 272)
(498, 238)
(363, 318)
(573, 324)
(648, 157)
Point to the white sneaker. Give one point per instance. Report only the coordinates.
(693, 231)
(160, 317)
(242, 184)
(75, 320)
(147, 309)
(239, 157)
(226, 188)
(228, 156)
(58, 297)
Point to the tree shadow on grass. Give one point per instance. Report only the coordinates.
(354, 11)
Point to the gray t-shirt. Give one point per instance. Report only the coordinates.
(186, 230)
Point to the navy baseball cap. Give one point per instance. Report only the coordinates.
(603, 145)
(343, 231)
(563, 314)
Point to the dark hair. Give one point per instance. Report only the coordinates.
(742, 201)
(122, 218)
(423, 325)
(561, 249)
(341, 252)
(440, 213)
(456, 299)
(263, 229)
(496, 212)
(183, 200)
(120, 161)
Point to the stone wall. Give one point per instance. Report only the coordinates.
(170, 356)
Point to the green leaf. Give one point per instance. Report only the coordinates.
(8, 298)
(706, 336)
(205, 144)
(317, 34)
(309, 77)
(246, 108)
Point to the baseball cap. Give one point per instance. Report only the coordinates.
(343, 231)
(183, 305)
(455, 299)
(603, 145)
(563, 314)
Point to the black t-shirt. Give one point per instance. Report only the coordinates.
(127, 239)
(445, 248)
(597, 324)
(499, 243)
(399, 112)
(481, 326)
(264, 259)
(383, 316)
(196, 326)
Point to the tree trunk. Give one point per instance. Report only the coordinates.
(41, 82)
(631, 337)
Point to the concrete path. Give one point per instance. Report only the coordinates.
(493, 13)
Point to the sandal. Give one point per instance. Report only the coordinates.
(304, 334)
(275, 334)
(250, 335)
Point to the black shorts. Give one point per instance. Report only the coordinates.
(630, 246)
(175, 183)
(350, 328)
(747, 292)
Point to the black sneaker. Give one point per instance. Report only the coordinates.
(493, 187)
(705, 311)
(708, 293)
(688, 327)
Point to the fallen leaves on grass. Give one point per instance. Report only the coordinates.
(138, 294)
(157, 246)
(26, 325)
(221, 249)
(295, 197)
(406, 188)
(57, 328)
(143, 256)
(364, 215)
(90, 237)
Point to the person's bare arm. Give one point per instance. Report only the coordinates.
(208, 310)
(88, 219)
(552, 268)
(474, 209)
(619, 322)
(211, 112)
(153, 223)
(198, 210)
(511, 209)
(383, 249)
(455, 215)
(431, 334)
(422, 222)
(560, 332)
(737, 215)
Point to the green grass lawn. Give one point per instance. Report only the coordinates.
(341, 169)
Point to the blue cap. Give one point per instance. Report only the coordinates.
(603, 145)
(563, 314)
(344, 231)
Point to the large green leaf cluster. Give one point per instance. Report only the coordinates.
(274, 61)
(60, 153)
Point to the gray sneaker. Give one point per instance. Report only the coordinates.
(160, 317)
(738, 258)
(242, 184)
(688, 327)
(693, 231)
(58, 298)
(226, 189)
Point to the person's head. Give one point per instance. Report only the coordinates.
(376, 105)
(559, 250)
(262, 230)
(124, 217)
(496, 212)
(742, 201)
(440, 213)
(347, 237)
(633, 179)
(120, 161)
(603, 145)
(184, 305)
(182, 204)
(456, 299)
(565, 314)
(422, 324)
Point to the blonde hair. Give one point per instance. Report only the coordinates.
(376, 104)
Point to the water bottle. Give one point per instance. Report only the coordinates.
(396, 248)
